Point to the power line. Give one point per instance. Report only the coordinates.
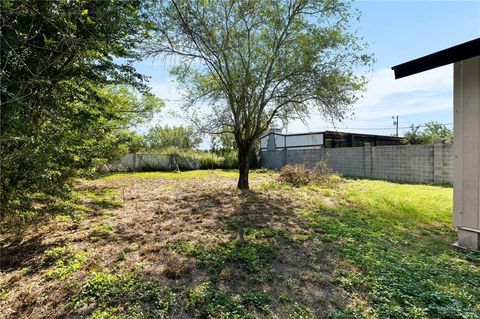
(381, 128)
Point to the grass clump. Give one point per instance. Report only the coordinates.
(124, 296)
(101, 231)
(299, 311)
(207, 301)
(250, 256)
(299, 175)
(257, 300)
(65, 260)
(103, 198)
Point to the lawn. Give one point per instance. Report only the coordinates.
(189, 245)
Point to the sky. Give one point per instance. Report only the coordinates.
(397, 32)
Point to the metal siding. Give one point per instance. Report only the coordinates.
(303, 140)
(263, 142)
(279, 140)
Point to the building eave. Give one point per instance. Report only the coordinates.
(453, 54)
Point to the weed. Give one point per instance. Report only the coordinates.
(109, 313)
(4, 293)
(210, 302)
(258, 300)
(136, 297)
(122, 256)
(102, 231)
(299, 311)
(251, 256)
(65, 261)
(299, 175)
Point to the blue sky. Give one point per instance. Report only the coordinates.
(397, 31)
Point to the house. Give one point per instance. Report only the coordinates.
(275, 140)
(466, 141)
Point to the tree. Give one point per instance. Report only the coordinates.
(433, 132)
(255, 61)
(223, 143)
(62, 106)
(183, 137)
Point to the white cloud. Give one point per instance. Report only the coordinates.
(429, 91)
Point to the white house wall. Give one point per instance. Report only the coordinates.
(466, 152)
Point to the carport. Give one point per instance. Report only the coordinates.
(466, 138)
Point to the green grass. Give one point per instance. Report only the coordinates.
(103, 198)
(65, 262)
(252, 255)
(102, 231)
(397, 241)
(180, 175)
(137, 298)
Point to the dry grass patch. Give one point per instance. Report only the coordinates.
(246, 249)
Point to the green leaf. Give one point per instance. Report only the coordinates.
(47, 41)
(6, 4)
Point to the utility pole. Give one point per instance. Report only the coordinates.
(395, 123)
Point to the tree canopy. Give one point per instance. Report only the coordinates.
(183, 137)
(244, 64)
(69, 91)
(428, 133)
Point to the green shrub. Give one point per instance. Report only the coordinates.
(188, 159)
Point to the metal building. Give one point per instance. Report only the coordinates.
(466, 137)
(325, 139)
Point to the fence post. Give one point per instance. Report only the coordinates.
(134, 155)
(367, 164)
(438, 163)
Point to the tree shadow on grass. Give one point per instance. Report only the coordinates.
(22, 254)
(269, 258)
(200, 251)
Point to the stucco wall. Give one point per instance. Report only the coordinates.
(466, 118)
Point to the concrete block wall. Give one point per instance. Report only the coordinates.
(347, 160)
(309, 157)
(448, 163)
(272, 159)
(407, 163)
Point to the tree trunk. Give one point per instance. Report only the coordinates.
(243, 168)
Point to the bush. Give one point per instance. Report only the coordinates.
(296, 175)
(182, 159)
(299, 175)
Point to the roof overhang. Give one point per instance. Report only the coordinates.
(454, 54)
